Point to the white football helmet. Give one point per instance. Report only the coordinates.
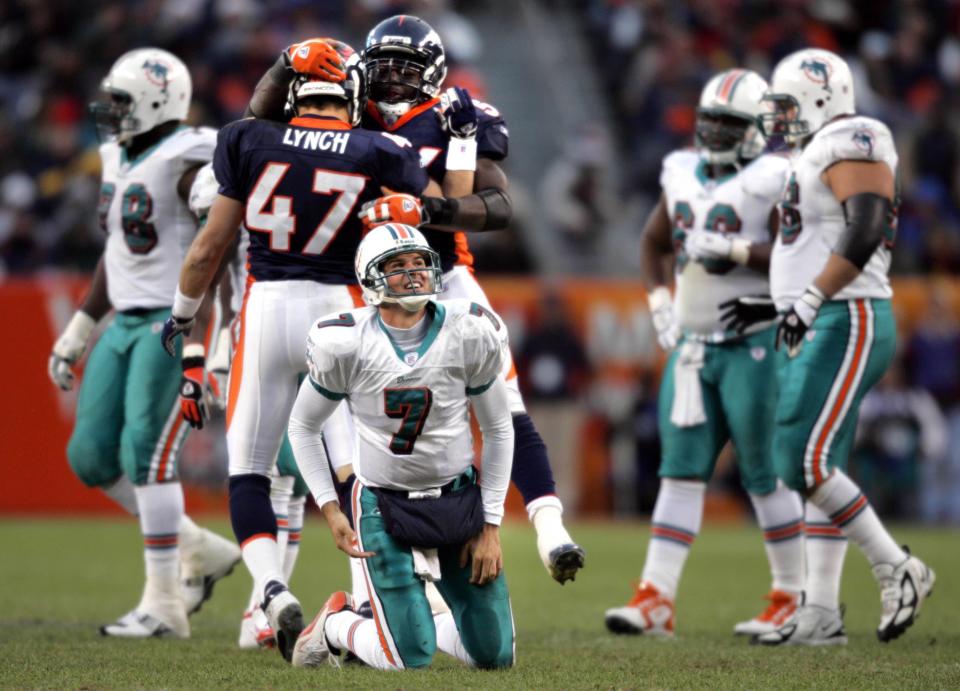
(388, 240)
(352, 90)
(145, 88)
(808, 89)
(727, 129)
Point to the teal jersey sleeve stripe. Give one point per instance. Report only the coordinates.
(333, 396)
(480, 389)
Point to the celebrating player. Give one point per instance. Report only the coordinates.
(828, 275)
(459, 141)
(296, 188)
(129, 431)
(719, 384)
(409, 367)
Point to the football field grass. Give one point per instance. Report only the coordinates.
(63, 578)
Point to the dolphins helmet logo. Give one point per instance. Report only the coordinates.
(817, 71)
(863, 139)
(156, 72)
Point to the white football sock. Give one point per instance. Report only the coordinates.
(448, 638)
(358, 581)
(840, 498)
(161, 510)
(295, 526)
(264, 561)
(677, 517)
(780, 516)
(123, 492)
(825, 548)
(546, 514)
(349, 631)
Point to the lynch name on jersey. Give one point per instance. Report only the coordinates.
(334, 142)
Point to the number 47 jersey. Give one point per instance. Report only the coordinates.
(410, 408)
(302, 184)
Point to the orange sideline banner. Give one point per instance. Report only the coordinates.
(37, 418)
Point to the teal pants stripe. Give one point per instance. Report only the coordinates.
(482, 614)
(738, 385)
(128, 419)
(847, 350)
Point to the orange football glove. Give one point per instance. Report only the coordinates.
(317, 58)
(392, 208)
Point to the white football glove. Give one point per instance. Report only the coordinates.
(702, 245)
(69, 348)
(664, 320)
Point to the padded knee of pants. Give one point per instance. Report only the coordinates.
(411, 624)
(137, 449)
(487, 636)
(95, 464)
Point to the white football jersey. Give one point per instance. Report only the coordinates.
(149, 227)
(812, 220)
(737, 205)
(410, 409)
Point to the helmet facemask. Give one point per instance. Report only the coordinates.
(113, 114)
(426, 281)
(783, 119)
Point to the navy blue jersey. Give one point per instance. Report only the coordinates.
(423, 127)
(302, 184)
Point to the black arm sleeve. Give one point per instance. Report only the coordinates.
(499, 209)
(270, 95)
(867, 216)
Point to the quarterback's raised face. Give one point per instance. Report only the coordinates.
(408, 274)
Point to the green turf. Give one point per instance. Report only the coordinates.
(63, 578)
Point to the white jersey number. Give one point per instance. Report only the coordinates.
(280, 221)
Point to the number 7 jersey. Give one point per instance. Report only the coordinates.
(410, 408)
(302, 184)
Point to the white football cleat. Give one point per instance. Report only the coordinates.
(255, 631)
(312, 648)
(810, 625)
(648, 613)
(565, 561)
(903, 589)
(778, 612)
(151, 620)
(214, 558)
(284, 615)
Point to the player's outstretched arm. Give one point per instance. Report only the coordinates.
(270, 94)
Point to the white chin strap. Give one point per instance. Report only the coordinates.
(412, 303)
(391, 112)
(720, 157)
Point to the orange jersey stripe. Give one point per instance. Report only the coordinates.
(462, 249)
(356, 294)
(236, 364)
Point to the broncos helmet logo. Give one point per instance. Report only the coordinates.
(156, 72)
(863, 139)
(817, 71)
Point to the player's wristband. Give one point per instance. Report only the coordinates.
(80, 327)
(184, 306)
(462, 154)
(659, 297)
(194, 350)
(740, 251)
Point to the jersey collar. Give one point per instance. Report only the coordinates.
(142, 156)
(320, 122)
(404, 119)
(435, 310)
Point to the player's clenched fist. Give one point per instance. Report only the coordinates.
(317, 58)
(392, 208)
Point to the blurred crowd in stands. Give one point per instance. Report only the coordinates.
(651, 58)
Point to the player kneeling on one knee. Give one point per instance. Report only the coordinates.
(409, 367)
